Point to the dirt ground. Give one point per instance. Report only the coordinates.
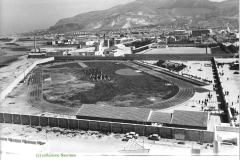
(8, 73)
(67, 84)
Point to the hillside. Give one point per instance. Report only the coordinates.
(200, 13)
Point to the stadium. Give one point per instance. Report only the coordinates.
(108, 90)
(107, 95)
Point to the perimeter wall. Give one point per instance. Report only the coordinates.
(103, 126)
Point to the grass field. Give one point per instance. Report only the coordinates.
(130, 89)
(5, 60)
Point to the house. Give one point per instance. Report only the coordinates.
(117, 50)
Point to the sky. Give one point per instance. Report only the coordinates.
(18, 16)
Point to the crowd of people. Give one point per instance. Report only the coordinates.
(96, 74)
(206, 103)
(171, 65)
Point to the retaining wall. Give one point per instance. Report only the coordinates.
(103, 126)
(223, 105)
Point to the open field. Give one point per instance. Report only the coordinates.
(62, 87)
(17, 48)
(5, 39)
(178, 50)
(12, 49)
(118, 85)
(30, 43)
(11, 68)
(5, 60)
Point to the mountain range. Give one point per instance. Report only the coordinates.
(193, 13)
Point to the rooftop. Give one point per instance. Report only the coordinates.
(117, 113)
(160, 117)
(179, 117)
(190, 118)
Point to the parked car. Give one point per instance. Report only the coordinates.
(134, 135)
(127, 137)
(180, 142)
(232, 141)
(201, 143)
(154, 137)
(236, 72)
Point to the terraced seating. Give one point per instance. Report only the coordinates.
(161, 75)
(128, 114)
(35, 86)
(158, 69)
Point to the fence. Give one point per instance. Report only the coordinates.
(10, 87)
(103, 126)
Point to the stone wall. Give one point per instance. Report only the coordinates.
(104, 126)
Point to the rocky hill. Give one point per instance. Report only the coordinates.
(199, 13)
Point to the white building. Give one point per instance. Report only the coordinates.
(117, 50)
(122, 50)
(55, 49)
(83, 51)
(237, 35)
(90, 43)
(101, 49)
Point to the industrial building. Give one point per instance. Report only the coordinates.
(90, 51)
